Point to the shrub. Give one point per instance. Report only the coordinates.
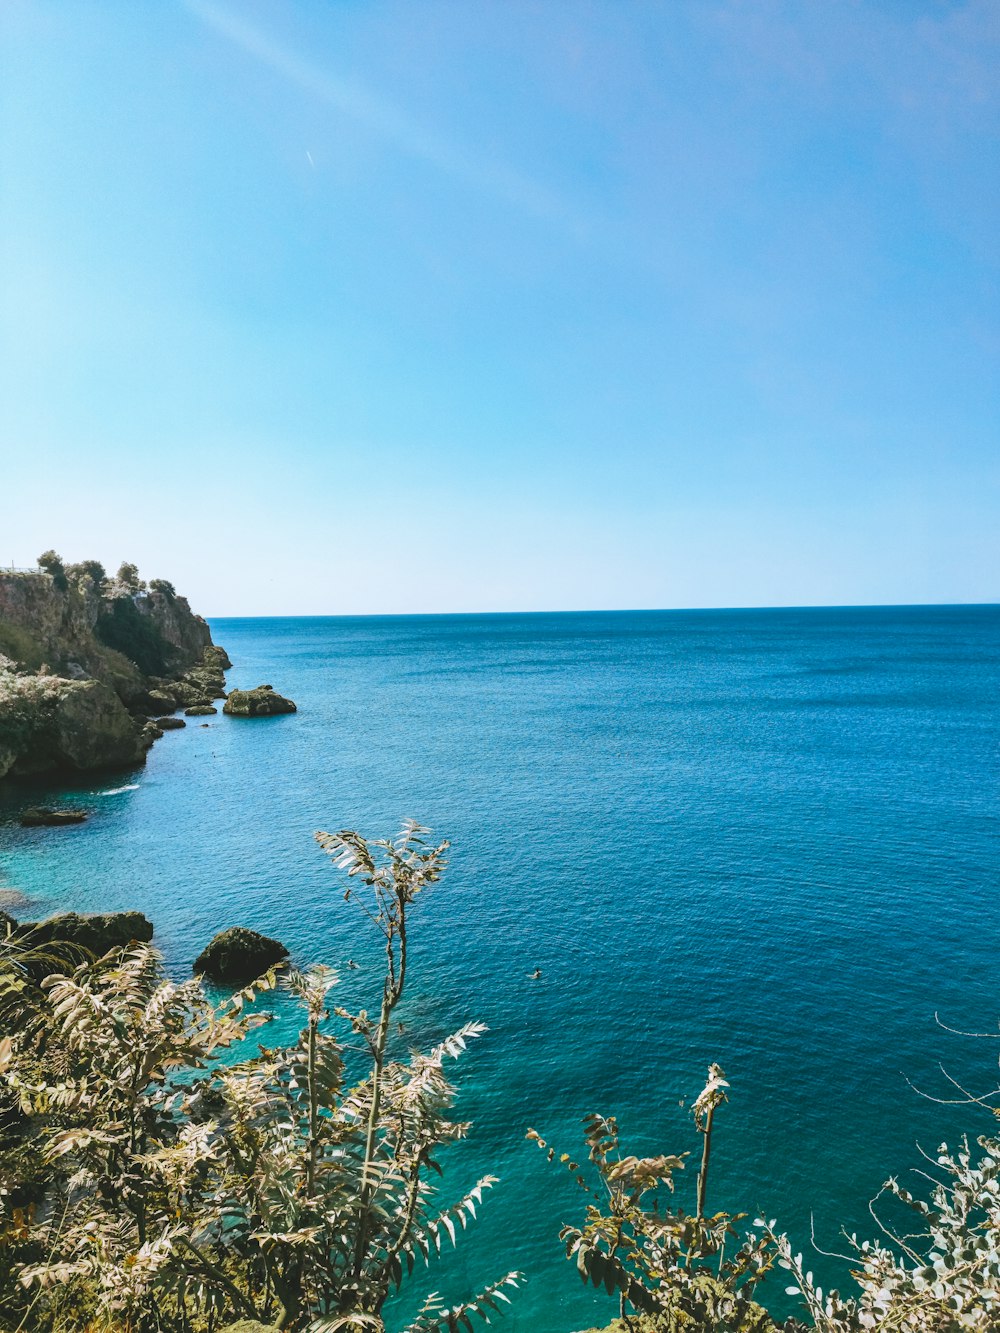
(665, 1264)
(181, 1193)
(91, 570)
(53, 565)
(671, 1275)
(128, 578)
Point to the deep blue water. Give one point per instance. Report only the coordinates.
(767, 838)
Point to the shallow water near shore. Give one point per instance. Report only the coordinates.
(766, 838)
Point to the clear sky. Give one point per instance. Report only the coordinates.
(332, 306)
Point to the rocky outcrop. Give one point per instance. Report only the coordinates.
(97, 932)
(42, 816)
(157, 701)
(84, 663)
(263, 701)
(238, 954)
(48, 723)
(186, 635)
(170, 723)
(200, 710)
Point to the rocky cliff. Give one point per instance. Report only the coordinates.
(84, 660)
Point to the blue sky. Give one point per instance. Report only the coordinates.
(377, 307)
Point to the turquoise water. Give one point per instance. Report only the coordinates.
(767, 838)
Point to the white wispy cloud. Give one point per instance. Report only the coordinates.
(477, 170)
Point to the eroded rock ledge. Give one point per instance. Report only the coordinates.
(86, 660)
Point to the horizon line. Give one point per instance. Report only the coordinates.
(607, 611)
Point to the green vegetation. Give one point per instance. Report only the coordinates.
(696, 1273)
(145, 1185)
(148, 1184)
(20, 647)
(128, 579)
(122, 626)
(52, 564)
(89, 570)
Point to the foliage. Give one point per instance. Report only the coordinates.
(164, 587)
(27, 704)
(148, 1184)
(944, 1278)
(18, 648)
(123, 627)
(128, 579)
(90, 570)
(661, 1262)
(52, 563)
(181, 1192)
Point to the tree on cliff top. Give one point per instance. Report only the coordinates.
(88, 571)
(128, 578)
(52, 564)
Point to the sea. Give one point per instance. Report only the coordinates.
(763, 838)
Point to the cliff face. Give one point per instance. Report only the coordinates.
(80, 663)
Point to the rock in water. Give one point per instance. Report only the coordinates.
(98, 932)
(200, 710)
(238, 954)
(264, 701)
(170, 723)
(39, 816)
(160, 701)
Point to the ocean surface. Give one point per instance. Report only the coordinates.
(765, 838)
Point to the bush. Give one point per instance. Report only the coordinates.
(53, 565)
(180, 1193)
(671, 1273)
(128, 578)
(91, 570)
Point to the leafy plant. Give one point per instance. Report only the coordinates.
(663, 1263)
(128, 579)
(182, 1191)
(52, 564)
(944, 1277)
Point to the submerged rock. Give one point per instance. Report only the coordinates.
(238, 954)
(12, 900)
(38, 816)
(264, 701)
